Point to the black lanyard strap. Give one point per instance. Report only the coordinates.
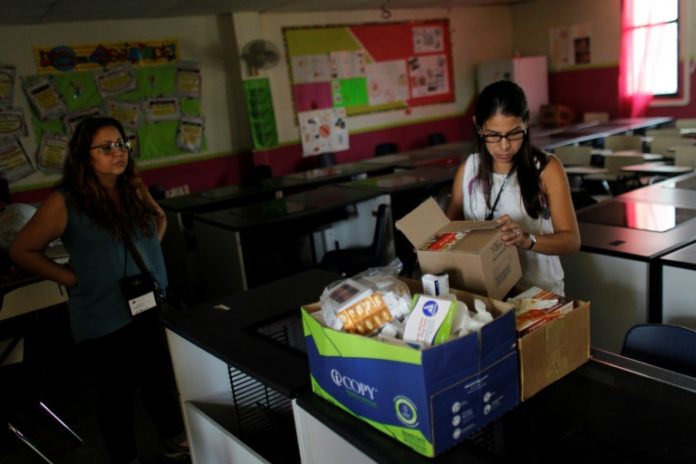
(489, 216)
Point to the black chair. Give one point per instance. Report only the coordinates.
(350, 261)
(326, 159)
(667, 346)
(436, 138)
(386, 149)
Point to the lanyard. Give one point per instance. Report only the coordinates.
(489, 216)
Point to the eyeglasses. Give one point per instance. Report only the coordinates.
(110, 148)
(510, 136)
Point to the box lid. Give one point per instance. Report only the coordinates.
(428, 218)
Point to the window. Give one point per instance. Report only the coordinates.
(650, 50)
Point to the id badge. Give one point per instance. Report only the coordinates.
(139, 291)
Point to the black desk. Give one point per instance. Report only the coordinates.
(617, 267)
(588, 132)
(611, 409)
(678, 273)
(246, 246)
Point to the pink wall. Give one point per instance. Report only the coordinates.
(591, 90)
(211, 173)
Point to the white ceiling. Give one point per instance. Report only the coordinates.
(52, 11)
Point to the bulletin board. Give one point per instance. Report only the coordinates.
(370, 67)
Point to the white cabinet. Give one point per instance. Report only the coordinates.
(529, 72)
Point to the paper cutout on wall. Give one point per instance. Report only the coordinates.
(188, 79)
(428, 75)
(72, 119)
(161, 109)
(12, 122)
(261, 113)
(350, 92)
(310, 68)
(52, 151)
(44, 97)
(14, 163)
(115, 81)
(323, 131)
(314, 96)
(189, 135)
(428, 39)
(127, 113)
(387, 82)
(7, 81)
(345, 65)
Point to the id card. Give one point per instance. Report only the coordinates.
(139, 291)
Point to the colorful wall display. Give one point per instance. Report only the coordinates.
(370, 67)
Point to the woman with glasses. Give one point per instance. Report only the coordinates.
(100, 206)
(519, 186)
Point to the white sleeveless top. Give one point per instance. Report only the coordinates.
(539, 270)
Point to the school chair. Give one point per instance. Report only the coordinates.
(663, 132)
(685, 155)
(569, 155)
(326, 159)
(436, 138)
(623, 142)
(595, 116)
(665, 146)
(386, 148)
(685, 123)
(662, 345)
(351, 261)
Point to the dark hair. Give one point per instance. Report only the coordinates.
(507, 98)
(84, 190)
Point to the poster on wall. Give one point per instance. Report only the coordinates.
(52, 151)
(188, 79)
(73, 118)
(12, 122)
(14, 163)
(323, 131)
(161, 109)
(115, 81)
(127, 113)
(190, 133)
(7, 81)
(354, 67)
(570, 46)
(44, 97)
(94, 57)
(259, 103)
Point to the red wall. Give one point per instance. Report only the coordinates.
(597, 89)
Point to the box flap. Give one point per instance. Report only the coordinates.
(422, 222)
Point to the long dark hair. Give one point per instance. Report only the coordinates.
(88, 195)
(507, 98)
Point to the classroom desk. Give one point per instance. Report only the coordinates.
(678, 276)
(609, 405)
(408, 189)
(588, 132)
(656, 169)
(242, 247)
(617, 266)
(610, 409)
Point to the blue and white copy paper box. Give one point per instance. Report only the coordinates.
(429, 400)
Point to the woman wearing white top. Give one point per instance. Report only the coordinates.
(519, 186)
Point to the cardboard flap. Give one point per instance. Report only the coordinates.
(422, 222)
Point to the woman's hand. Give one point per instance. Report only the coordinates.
(513, 235)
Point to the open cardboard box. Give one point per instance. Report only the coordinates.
(554, 349)
(428, 399)
(479, 262)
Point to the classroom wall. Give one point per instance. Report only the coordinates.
(592, 87)
(202, 38)
(478, 34)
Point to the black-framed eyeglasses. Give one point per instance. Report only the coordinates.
(110, 148)
(511, 136)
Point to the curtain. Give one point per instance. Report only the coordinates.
(637, 47)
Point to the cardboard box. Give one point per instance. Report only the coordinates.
(429, 400)
(554, 349)
(479, 262)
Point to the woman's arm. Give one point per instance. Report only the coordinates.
(47, 224)
(565, 239)
(161, 217)
(455, 209)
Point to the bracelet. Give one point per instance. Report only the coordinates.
(532, 241)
